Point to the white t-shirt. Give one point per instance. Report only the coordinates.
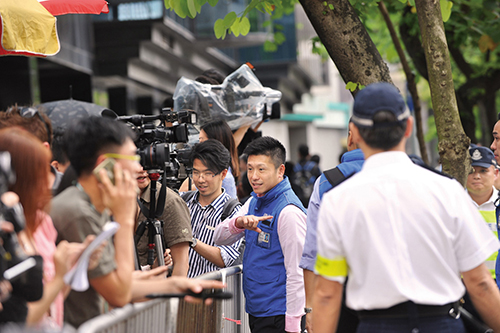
(405, 232)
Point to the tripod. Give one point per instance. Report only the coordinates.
(154, 226)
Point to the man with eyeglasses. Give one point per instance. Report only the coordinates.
(84, 209)
(210, 163)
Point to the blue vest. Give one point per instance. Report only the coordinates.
(350, 163)
(497, 264)
(264, 274)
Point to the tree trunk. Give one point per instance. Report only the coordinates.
(347, 41)
(453, 143)
(410, 78)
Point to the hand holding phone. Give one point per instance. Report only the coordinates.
(108, 164)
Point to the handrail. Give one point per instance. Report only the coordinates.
(166, 315)
(221, 274)
(117, 317)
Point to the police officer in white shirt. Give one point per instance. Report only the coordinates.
(482, 192)
(404, 235)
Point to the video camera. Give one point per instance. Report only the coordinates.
(162, 143)
(25, 273)
(240, 100)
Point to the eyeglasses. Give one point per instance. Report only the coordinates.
(135, 158)
(30, 113)
(207, 175)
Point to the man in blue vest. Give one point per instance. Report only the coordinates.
(273, 222)
(351, 162)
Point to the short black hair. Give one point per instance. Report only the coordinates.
(211, 76)
(386, 133)
(87, 138)
(303, 150)
(267, 146)
(212, 154)
(58, 146)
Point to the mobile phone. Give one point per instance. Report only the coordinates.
(108, 165)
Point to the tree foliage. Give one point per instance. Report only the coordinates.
(472, 30)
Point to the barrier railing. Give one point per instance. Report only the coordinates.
(177, 316)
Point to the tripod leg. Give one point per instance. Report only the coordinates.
(159, 250)
(137, 263)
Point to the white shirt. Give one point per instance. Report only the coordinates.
(488, 205)
(405, 232)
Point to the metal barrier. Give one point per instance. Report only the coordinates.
(177, 316)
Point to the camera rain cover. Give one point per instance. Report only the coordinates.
(240, 100)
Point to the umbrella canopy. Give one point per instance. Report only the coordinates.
(62, 7)
(27, 29)
(62, 113)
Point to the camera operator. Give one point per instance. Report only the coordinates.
(176, 227)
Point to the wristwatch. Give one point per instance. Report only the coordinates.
(193, 243)
(308, 310)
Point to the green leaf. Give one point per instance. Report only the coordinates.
(244, 26)
(330, 6)
(446, 9)
(167, 4)
(351, 86)
(235, 28)
(279, 38)
(198, 4)
(180, 8)
(412, 3)
(268, 8)
(211, 2)
(279, 27)
(219, 28)
(270, 46)
(403, 1)
(325, 3)
(191, 8)
(229, 19)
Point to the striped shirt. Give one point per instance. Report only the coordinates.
(203, 223)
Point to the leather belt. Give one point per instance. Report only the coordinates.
(407, 309)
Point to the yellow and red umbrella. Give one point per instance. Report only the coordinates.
(28, 27)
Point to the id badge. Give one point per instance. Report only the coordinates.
(264, 240)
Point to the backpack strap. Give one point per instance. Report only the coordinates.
(334, 176)
(229, 207)
(144, 209)
(187, 195)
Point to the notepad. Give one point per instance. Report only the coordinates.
(77, 277)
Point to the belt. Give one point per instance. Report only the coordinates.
(408, 309)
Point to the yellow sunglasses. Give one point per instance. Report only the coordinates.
(135, 158)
